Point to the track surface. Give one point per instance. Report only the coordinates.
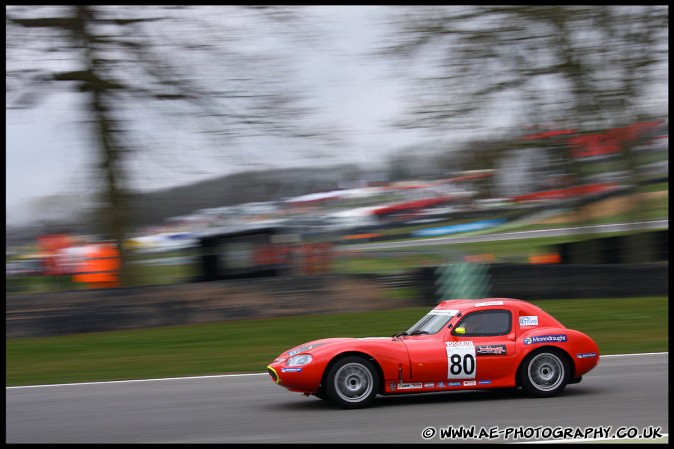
(630, 391)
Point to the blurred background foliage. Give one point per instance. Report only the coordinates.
(219, 73)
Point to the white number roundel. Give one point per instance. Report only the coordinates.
(461, 360)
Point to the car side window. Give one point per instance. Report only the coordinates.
(486, 323)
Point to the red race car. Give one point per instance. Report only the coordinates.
(459, 345)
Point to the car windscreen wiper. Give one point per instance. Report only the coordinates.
(419, 332)
(400, 334)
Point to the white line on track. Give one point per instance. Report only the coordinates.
(232, 375)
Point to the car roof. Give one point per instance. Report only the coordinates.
(520, 307)
(463, 304)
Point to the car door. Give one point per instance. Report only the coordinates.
(427, 358)
(481, 347)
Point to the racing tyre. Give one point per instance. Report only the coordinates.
(320, 394)
(352, 382)
(544, 373)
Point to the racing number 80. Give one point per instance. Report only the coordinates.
(461, 364)
(461, 360)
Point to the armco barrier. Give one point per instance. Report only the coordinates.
(642, 247)
(579, 281)
(557, 281)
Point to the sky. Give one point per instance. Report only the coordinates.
(46, 154)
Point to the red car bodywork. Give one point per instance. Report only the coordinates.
(446, 360)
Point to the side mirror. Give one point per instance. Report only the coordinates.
(460, 330)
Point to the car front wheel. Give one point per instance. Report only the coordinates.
(544, 373)
(320, 394)
(352, 382)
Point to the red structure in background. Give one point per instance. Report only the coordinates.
(588, 145)
(549, 134)
(602, 143)
(411, 205)
(610, 141)
(559, 194)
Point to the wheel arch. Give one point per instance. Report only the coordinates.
(362, 354)
(556, 349)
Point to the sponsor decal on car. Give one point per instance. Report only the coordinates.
(291, 370)
(412, 386)
(453, 384)
(586, 355)
(451, 312)
(484, 382)
(459, 343)
(469, 383)
(556, 338)
(489, 303)
(528, 321)
(429, 385)
(441, 385)
(491, 350)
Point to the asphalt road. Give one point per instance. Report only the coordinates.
(628, 391)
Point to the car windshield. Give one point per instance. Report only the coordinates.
(432, 322)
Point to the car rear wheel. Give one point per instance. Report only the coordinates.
(544, 373)
(352, 382)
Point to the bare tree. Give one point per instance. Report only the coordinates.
(194, 65)
(583, 67)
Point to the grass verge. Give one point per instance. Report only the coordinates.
(624, 325)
